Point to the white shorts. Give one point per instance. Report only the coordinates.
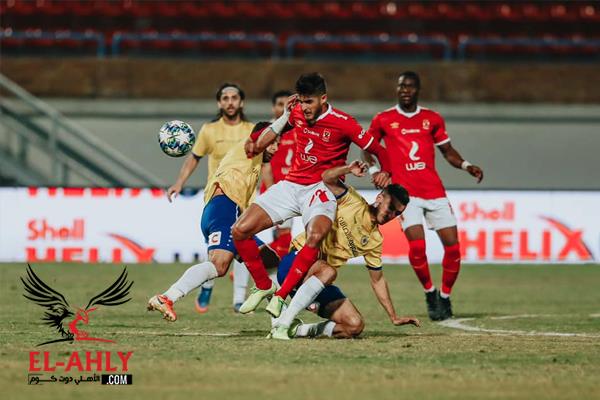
(286, 224)
(285, 200)
(437, 213)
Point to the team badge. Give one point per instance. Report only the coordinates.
(395, 125)
(326, 135)
(214, 239)
(364, 240)
(426, 124)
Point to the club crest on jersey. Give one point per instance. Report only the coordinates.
(426, 124)
(326, 135)
(395, 125)
(214, 239)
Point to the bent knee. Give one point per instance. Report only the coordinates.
(354, 325)
(221, 263)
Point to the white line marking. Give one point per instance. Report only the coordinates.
(595, 315)
(524, 316)
(167, 333)
(459, 323)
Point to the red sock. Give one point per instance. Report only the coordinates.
(418, 260)
(248, 250)
(451, 266)
(281, 245)
(302, 263)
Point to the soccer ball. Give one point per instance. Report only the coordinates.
(176, 138)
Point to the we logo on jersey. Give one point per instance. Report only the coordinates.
(412, 154)
(306, 156)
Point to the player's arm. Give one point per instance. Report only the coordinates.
(188, 167)
(331, 177)
(267, 175)
(260, 140)
(454, 158)
(369, 142)
(382, 292)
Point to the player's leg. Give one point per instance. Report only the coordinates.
(203, 298)
(192, 278)
(318, 278)
(282, 238)
(441, 218)
(412, 223)
(277, 204)
(240, 284)
(318, 213)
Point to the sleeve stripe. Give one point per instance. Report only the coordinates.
(442, 142)
(373, 268)
(371, 141)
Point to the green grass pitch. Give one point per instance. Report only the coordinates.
(514, 352)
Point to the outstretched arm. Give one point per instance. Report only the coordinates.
(331, 177)
(454, 158)
(188, 167)
(380, 287)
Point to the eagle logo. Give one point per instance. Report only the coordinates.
(57, 309)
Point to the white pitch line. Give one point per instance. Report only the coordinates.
(459, 323)
(595, 315)
(524, 316)
(165, 333)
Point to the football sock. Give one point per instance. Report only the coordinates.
(418, 259)
(208, 284)
(240, 282)
(450, 268)
(193, 277)
(281, 245)
(248, 250)
(305, 295)
(324, 328)
(305, 258)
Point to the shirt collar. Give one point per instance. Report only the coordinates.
(406, 114)
(329, 108)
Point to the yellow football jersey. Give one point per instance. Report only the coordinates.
(216, 138)
(352, 234)
(237, 176)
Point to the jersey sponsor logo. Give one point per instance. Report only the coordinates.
(308, 146)
(395, 125)
(306, 156)
(409, 131)
(413, 151)
(214, 239)
(310, 132)
(426, 124)
(412, 154)
(326, 135)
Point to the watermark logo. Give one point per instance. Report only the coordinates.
(57, 310)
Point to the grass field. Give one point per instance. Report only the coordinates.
(522, 356)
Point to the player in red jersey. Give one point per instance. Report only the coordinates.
(411, 134)
(323, 138)
(276, 171)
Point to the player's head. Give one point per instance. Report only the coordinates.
(408, 88)
(278, 100)
(389, 203)
(230, 100)
(272, 148)
(312, 95)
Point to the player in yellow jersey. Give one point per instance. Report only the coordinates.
(229, 192)
(355, 232)
(214, 140)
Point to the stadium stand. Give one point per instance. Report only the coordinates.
(494, 28)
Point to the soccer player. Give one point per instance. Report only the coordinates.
(230, 190)
(355, 232)
(323, 136)
(215, 139)
(411, 133)
(276, 171)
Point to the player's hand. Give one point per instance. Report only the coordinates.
(173, 192)
(381, 179)
(475, 171)
(250, 148)
(290, 102)
(406, 321)
(358, 168)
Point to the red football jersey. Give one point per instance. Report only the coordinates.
(323, 145)
(410, 139)
(283, 158)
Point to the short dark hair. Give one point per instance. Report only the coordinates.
(412, 75)
(398, 192)
(311, 84)
(233, 85)
(260, 126)
(280, 93)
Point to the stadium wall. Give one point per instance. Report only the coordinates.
(181, 78)
(140, 226)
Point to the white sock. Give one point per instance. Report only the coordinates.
(431, 289)
(324, 328)
(208, 284)
(305, 295)
(273, 276)
(240, 282)
(444, 295)
(193, 277)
